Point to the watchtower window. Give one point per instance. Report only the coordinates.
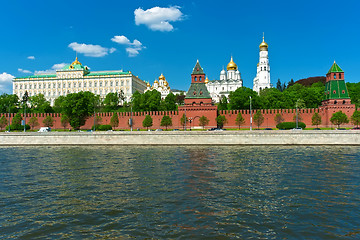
(195, 79)
(339, 75)
(334, 75)
(200, 79)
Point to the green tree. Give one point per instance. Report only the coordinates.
(221, 121)
(58, 103)
(48, 121)
(33, 122)
(291, 83)
(278, 118)
(240, 99)
(38, 104)
(111, 102)
(339, 118)
(114, 120)
(64, 121)
(180, 98)
(258, 118)
(355, 118)
(239, 120)
(170, 102)
(203, 121)
(3, 122)
(166, 121)
(223, 104)
(9, 100)
(183, 121)
(16, 122)
(78, 107)
(279, 86)
(148, 122)
(316, 119)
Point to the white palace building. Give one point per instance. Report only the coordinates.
(75, 78)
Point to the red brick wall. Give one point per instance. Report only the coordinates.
(210, 112)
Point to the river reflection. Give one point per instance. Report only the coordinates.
(180, 192)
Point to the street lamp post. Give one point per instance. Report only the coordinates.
(25, 98)
(250, 116)
(9, 116)
(185, 118)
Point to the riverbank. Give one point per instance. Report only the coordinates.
(276, 137)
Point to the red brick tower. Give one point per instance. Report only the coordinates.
(198, 101)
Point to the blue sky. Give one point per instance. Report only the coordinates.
(151, 37)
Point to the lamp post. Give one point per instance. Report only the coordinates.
(297, 121)
(9, 116)
(185, 117)
(131, 120)
(25, 98)
(250, 116)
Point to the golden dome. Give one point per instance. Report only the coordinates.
(231, 65)
(148, 84)
(156, 81)
(161, 77)
(166, 83)
(263, 45)
(206, 80)
(76, 62)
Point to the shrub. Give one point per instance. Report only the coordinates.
(103, 127)
(290, 125)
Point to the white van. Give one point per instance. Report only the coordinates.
(44, 129)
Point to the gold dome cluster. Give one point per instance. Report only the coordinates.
(161, 77)
(231, 65)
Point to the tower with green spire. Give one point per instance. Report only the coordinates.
(198, 93)
(336, 92)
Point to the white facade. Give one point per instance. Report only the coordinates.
(262, 79)
(76, 78)
(229, 81)
(161, 86)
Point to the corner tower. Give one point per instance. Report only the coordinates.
(335, 87)
(262, 79)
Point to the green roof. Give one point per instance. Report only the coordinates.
(198, 90)
(335, 68)
(336, 89)
(107, 73)
(198, 69)
(39, 76)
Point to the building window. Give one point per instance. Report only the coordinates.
(84, 84)
(95, 84)
(79, 84)
(195, 79)
(339, 75)
(122, 83)
(111, 84)
(69, 85)
(105, 83)
(200, 79)
(49, 85)
(100, 84)
(264, 68)
(74, 84)
(117, 83)
(334, 75)
(89, 84)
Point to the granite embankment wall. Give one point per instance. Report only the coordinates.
(305, 116)
(344, 137)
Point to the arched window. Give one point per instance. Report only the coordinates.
(195, 79)
(264, 68)
(200, 79)
(339, 75)
(334, 75)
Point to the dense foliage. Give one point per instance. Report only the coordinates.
(339, 118)
(290, 125)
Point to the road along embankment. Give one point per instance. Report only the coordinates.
(328, 137)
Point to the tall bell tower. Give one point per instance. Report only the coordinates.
(262, 79)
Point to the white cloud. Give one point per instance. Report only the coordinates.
(133, 48)
(31, 57)
(157, 18)
(6, 82)
(112, 50)
(90, 50)
(53, 69)
(24, 71)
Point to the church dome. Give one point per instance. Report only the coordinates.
(76, 62)
(166, 83)
(231, 65)
(223, 72)
(206, 80)
(263, 45)
(148, 84)
(161, 77)
(156, 81)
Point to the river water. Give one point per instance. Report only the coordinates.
(156, 192)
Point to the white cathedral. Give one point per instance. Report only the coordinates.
(229, 81)
(161, 86)
(262, 79)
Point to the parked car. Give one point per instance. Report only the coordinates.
(44, 129)
(356, 128)
(158, 130)
(316, 129)
(268, 129)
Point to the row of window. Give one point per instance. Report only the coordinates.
(64, 92)
(69, 84)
